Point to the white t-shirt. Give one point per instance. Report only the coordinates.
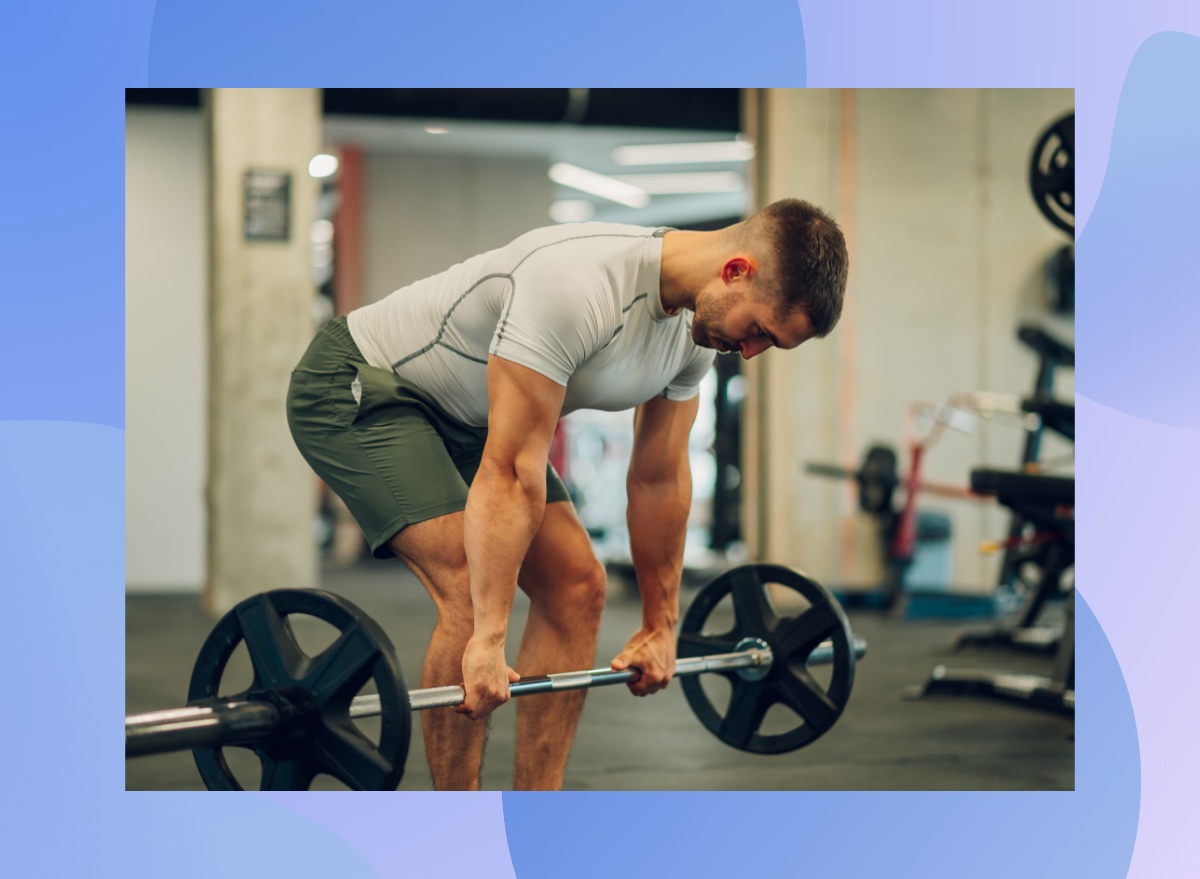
(578, 303)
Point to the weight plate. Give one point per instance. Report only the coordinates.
(313, 694)
(877, 480)
(791, 639)
(1052, 173)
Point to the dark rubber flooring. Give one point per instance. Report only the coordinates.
(882, 742)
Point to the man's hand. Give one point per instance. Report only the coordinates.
(486, 677)
(652, 651)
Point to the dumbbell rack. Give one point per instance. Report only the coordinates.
(1023, 631)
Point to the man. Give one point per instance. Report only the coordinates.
(431, 413)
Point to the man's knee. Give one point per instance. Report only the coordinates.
(592, 588)
(451, 592)
(574, 597)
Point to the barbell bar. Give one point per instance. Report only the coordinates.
(241, 721)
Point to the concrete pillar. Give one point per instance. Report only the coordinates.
(261, 493)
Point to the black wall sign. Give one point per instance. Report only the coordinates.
(268, 205)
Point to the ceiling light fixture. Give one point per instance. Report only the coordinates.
(323, 165)
(686, 183)
(684, 153)
(599, 185)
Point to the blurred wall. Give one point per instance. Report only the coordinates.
(947, 257)
(166, 355)
(426, 212)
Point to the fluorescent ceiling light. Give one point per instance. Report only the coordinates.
(599, 185)
(684, 153)
(678, 184)
(572, 210)
(323, 165)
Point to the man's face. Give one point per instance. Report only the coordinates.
(735, 320)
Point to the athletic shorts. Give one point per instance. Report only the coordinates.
(381, 443)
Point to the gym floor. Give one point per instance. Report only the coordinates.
(882, 742)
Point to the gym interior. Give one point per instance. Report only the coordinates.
(908, 480)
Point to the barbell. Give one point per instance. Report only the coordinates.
(878, 478)
(298, 714)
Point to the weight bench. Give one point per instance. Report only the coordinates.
(1052, 558)
(1048, 502)
(1021, 632)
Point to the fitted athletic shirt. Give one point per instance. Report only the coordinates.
(578, 303)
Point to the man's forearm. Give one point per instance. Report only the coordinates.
(657, 516)
(504, 511)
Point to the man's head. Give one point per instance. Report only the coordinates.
(781, 282)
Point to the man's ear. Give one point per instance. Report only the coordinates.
(737, 268)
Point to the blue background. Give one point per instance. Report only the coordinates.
(65, 66)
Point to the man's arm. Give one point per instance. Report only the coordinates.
(659, 487)
(505, 506)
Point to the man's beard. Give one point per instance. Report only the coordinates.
(702, 338)
(703, 326)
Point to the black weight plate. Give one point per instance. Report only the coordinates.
(314, 693)
(791, 639)
(877, 480)
(1052, 173)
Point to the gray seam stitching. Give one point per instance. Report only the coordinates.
(625, 310)
(513, 293)
(454, 350)
(508, 307)
(446, 320)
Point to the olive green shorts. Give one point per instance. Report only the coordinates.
(380, 443)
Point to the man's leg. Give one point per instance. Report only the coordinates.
(434, 550)
(566, 585)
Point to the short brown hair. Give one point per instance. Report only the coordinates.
(809, 263)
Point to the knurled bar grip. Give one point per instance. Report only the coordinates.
(447, 697)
